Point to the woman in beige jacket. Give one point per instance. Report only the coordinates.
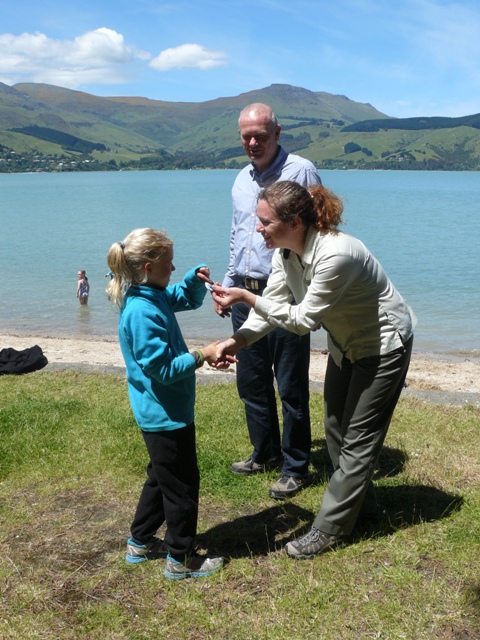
(322, 277)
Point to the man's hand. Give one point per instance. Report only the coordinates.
(223, 312)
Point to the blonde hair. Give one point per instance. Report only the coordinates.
(126, 260)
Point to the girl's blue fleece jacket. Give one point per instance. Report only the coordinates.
(160, 370)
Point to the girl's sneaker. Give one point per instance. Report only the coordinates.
(141, 552)
(195, 566)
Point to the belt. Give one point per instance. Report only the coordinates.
(254, 285)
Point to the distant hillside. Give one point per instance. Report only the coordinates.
(48, 128)
(415, 124)
(67, 141)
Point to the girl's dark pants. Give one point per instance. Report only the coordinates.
(170, 493)
(360, 399)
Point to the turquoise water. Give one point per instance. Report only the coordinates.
(423, 226)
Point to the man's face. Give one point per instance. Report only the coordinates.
(259, 139)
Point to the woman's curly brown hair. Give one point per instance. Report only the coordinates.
(315, 206)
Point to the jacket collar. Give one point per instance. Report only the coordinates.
(151, 293)
(309, 249)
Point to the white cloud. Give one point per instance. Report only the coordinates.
(102, 45)
(188, 56)
(96, 57)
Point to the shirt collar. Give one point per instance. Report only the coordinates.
(271, 173)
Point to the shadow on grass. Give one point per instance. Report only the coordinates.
(258, 534)
(472, 598)
(408, 505)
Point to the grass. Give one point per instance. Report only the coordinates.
(72, 463)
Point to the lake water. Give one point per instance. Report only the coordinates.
(424, 227)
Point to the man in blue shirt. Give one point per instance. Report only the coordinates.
(281, 354)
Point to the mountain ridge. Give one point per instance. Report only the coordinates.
(138, 132)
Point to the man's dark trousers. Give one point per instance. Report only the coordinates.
(284, 356)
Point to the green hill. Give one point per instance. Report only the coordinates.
(43, 127)
(415, 124)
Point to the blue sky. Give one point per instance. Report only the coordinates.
(405, 57)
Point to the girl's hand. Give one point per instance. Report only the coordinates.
(210, 355)
(227, 349)
(203, 274)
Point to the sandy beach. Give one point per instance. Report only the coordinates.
(428, 374)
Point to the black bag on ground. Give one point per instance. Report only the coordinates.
(25, 361)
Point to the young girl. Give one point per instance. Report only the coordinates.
(83, 288)
(161, 384)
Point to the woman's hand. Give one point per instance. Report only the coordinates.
(211, 356)
(227, 349)
(225, 297)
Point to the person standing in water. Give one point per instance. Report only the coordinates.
(83, 287)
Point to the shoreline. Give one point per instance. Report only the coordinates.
(429, 373)
(419, 350)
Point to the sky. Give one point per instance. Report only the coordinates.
(407, 58)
